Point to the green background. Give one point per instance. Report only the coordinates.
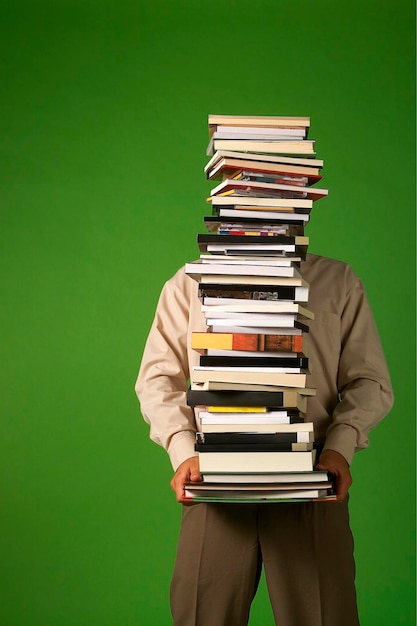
(103, 133)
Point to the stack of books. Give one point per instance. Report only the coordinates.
(250, 388)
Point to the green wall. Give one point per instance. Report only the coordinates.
(103, 133)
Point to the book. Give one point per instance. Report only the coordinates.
(280, 225)
(257, 461)
(288, 398)
(315, 477)
(262, 376)
(287, 242)
(273, 281)
(259, 293)
(255, 260)
(231, 438)
(300, 430)
(264, 189)
(264, 307)
(279, 146)
(239, 448)
(228, 131)
(259, 121)
(264, 160)
(206, 492)
(277, 204)
(255, 361)
(246, 420)
(228, 166)
(250, 342)
(259, 214)
(253, 324)
(195, 269)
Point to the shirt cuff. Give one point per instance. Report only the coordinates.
(342, 438)
(181, 447)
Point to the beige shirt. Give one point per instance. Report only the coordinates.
(348, 367)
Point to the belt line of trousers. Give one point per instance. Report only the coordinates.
(306, 550)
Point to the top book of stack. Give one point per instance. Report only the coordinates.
(262, 135)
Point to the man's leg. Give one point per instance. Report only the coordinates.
(307, 549)
(217, 567)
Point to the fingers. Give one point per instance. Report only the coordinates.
(336, 465)
(188, 471)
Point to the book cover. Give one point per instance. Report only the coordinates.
(251, 342)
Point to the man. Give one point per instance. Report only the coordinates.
(305, 548)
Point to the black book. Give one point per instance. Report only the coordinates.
(205, 238)
(254, 361)
(247, 291)
(225, 397)
(245, 438)
(253, 447)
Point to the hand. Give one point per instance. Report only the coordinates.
(337, 466)
(188, 471)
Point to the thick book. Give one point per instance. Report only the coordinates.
(196, 269)
(257, 461)
(297, 147)
(265, 189)
(264, 160)
(242, 341)
(232, 438)
(257, 494)
(227, 167)
(271, 282)
(299, 430)
(288, 398)
(261, 376)
(258, 121)
(254, 292)
(314, 477)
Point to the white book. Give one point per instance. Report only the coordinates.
(260, 307)
(264, 330)
(224, 131)
(238, 424)
(292, 281)
(214, 259)
(276, 203)
(198, 268)
(257, 323)
(256, 461)
(279, 215)
(314, 476)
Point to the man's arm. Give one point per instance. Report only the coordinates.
(364, 385)
(163, 377)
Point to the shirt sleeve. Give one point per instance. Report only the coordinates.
(364, 385)
(163, 376)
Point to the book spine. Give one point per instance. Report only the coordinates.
(252, 447)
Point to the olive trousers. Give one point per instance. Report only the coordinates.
(306, 550)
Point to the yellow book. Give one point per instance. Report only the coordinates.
(237, 409)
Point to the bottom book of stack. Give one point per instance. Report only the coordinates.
(261, 487)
